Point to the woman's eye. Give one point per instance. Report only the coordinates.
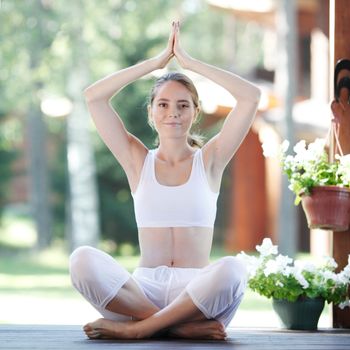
(162, 104)
(184, 106)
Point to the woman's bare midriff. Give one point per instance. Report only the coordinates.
(175, 246)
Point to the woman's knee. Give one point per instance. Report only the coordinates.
(96, 275)
(81, 262)
(219, 287)
(231, 272)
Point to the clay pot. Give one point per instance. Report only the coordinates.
(327, 208)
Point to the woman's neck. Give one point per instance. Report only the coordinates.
(173, 150)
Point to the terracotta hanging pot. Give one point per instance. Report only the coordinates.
(327, 208)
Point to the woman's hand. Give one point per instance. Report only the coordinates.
(173, 49)
(164, 57)
(181, 55)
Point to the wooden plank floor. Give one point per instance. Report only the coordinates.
(71, 337)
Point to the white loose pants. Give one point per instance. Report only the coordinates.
(216, 289)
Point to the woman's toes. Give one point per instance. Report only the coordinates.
(93, 335)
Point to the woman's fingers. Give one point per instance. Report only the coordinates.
(165, 56)
(180, 54)
(171, 38)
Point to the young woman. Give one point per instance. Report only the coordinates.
(175, 189)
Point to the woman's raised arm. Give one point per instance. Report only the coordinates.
(221, 148)
(126, 147)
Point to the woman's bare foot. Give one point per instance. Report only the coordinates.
(107, 329)
(209, 329)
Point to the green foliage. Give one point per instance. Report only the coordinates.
(132, 33)
(310, 167)
(39, 51)
(9, 136)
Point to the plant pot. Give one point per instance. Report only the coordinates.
(303, 314)
(327, 208)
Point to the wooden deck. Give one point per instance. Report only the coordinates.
(71, 337)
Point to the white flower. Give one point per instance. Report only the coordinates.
(300, 278)
(287, 271)
(267, 248)
(252, 263)
(270, 149)
(300, 147)
(271, 267)
(305, 266)
(273, 274)
(345, 274)
(307, 157)
(282, 261)
(284, 146)
(329, 275)
(279, 284)
(344, 168)
(343, 277)
(330, 263)
(316, 148)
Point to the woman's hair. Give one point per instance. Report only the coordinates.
(194, 140)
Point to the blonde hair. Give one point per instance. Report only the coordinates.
(194, 140)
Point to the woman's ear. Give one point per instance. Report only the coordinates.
(196, 114)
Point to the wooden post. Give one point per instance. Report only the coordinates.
(340, 48)
(247, 223)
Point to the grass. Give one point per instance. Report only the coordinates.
(45, 274)
(42, 278)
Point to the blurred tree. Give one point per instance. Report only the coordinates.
(77, 43)
(26, 41)
(9, 136)
(83, 228)
(132, 31)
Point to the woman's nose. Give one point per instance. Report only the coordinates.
(174, 112)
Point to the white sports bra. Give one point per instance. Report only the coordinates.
(188, 205)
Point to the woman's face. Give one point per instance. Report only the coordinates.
(172, 111)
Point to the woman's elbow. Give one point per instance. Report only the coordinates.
(88, 94)
(257, 94)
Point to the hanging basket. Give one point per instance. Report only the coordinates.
(327, 208)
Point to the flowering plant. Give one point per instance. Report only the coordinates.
(309, 166)
(278, 276)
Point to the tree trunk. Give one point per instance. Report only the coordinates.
(285, 87)
(39, 189)
(83, 220)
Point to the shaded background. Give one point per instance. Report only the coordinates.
(60, 187)
(60, 179)
(49, 147)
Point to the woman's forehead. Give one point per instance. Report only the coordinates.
(173, 90)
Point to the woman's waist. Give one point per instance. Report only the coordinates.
(180, 232)
(175, 247)
(165, 275)
(184, 264)
(174, 257)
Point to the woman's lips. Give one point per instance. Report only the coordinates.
(172, 124)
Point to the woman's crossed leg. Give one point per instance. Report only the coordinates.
(190, 315)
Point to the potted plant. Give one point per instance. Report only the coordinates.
(298, 288)
(321, 186)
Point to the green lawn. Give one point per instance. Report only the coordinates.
(41, 282)
(46, 275)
